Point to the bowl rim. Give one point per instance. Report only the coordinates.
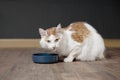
(45, 54)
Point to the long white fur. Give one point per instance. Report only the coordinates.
(89, 50)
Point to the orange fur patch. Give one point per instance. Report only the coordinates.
(52, 31)
(80, 31)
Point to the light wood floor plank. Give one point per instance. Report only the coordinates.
(16, 64)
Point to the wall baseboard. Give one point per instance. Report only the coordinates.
(19, 43)
(34, 43)
(112, 43)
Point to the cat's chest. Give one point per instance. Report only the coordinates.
(66, 44)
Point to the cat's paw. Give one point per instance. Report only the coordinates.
(68, 60)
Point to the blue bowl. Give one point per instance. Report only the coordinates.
(45, 58)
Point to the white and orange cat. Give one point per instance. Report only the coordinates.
(77, 41)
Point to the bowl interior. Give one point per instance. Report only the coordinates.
(45, 54)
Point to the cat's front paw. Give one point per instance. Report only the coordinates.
(68, 60)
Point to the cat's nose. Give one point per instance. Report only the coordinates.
(53, 48)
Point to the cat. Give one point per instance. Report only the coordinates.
(79, 41)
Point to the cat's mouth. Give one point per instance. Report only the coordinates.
(54, 49)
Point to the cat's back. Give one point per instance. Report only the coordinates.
(82, 31)
(79, 31)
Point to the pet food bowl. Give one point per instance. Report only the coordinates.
(45, 58)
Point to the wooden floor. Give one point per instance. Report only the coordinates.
(16, 64)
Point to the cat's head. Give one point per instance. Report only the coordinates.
(50, 38)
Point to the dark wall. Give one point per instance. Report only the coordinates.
(21, 19)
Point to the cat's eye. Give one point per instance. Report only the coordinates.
(56, 40)
(48, 41)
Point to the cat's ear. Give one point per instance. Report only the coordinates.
(59, 28)
(42, 32)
